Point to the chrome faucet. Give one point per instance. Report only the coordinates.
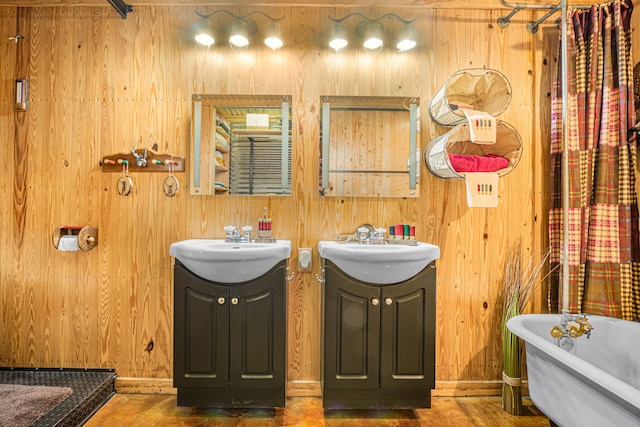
(365, 234)
(234, 236)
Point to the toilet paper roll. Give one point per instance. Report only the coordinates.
(68, 243)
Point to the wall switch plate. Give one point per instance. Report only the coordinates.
(305, 255)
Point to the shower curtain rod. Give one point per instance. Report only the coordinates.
(532, 26)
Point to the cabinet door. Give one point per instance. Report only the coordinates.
(201, 332)
(408, 333)
(258, 332)
(351, 332)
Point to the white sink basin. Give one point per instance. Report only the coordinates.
(379, 264)
(223, 262)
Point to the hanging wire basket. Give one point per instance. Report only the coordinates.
(457, 141)
(480, 89)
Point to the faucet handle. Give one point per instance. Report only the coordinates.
(363, 234)
(229, 229)
(247, 233)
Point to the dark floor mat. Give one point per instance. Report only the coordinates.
(91, 389)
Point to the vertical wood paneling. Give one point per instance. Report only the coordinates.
(101, 85)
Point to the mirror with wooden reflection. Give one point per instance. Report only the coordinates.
(240, 145)
(369, 146)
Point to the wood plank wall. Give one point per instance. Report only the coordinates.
(100, 85)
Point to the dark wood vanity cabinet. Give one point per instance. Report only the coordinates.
(230, 340)
(379, 341)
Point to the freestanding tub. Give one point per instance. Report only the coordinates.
(597, 383)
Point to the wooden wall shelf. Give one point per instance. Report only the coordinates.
(113, 162)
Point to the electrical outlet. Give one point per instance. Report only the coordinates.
(305, 256)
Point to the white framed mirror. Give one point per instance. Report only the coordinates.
(240, 145)
(369, 146)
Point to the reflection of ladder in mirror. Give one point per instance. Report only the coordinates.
(285, 143)
(325, 137)
(267, 136)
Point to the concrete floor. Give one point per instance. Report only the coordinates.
(160, 410)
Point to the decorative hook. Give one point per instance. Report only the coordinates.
(16, 38)
(141, 159)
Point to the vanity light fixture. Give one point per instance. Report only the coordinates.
(338, 37)
(372, 32)
(240, 29)
(274, 36)
(407, 39)
(239, 34)
(204, 33)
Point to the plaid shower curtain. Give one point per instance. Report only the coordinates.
(604, 244)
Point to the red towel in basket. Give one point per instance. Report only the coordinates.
(473, 163)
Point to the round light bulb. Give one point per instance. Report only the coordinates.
(238, 40)
(373, 43)
(273, 42)
(406, 44)
(204, 39)
(338, 43)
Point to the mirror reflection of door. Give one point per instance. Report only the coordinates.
(241, 145)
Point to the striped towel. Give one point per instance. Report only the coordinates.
(482, 127)
(482, 189)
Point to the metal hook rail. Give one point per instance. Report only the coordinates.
(532, 26)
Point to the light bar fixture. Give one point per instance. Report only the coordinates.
(372, 32)
(121, 7)
(240, 29)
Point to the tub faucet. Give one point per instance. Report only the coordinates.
(572, 325)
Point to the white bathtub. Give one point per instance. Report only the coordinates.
(596, 384)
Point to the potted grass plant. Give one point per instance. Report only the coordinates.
(519, 283)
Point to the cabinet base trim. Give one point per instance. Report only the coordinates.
(379, 398)
(231, 397)
(310, 388)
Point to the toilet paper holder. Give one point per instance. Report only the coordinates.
(87, 236)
